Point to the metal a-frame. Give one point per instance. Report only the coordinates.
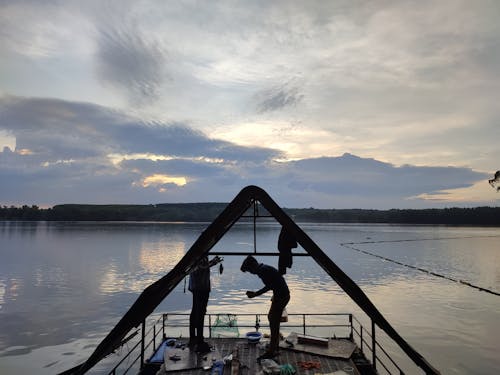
(154, 294)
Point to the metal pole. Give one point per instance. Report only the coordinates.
(351, 335)
(255, 226)
(374, 342)
(143, 333)
(154, 338)
(210, 325)
(304, 323)
(163, 326)
(361, 336)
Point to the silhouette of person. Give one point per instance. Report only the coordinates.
(273, 280)
(199, 285)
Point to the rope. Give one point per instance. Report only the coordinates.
(463, 282)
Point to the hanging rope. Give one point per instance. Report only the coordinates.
(349, 245)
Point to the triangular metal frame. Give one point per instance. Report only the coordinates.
(154, 294)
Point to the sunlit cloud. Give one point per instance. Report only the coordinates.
(480, 192)
(295, 140)
(162, 179)
(7, 140)
(48, 164)
(24, 152)
(116, 159)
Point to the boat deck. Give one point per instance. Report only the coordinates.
(182, 361)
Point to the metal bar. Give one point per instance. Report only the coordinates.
(210, 325)
(143, 332)
(290, 314)
(154, 337)
(361, 338)
(389, 357)
(374, 347)
(258, 216)
(350, 323)
(254, 226)
(124, 358)
(132, 364)
(385, 367)
(244, 254)
(163, 325)
(304, 323)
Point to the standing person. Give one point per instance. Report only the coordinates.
(273, 280)
(199, 285)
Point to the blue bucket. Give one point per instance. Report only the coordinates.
(253, 337)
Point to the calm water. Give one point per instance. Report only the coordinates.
(63, 286)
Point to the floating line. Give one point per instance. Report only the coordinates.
(349, 246)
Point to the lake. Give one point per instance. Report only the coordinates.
(63, 285)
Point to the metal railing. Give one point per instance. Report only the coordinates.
(303, 323)
(351, 329)
(148, 338)
(373, 346)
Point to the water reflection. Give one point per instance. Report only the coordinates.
(156, 257)
(153, 260)
(63, 284)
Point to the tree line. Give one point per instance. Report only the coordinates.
(206, 212)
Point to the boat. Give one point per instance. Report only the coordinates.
(355, 352)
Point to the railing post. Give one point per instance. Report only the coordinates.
(361, 336)
(304, 324)
(154, 338)
(143, 334)
(374, 343)
(210, 325)
(351, 334)
(163, 326)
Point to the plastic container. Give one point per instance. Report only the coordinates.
(253, 337)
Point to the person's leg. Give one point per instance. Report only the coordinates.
(193, 320)
(274, 316)
(202, 310)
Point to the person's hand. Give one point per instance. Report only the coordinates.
(251, 294)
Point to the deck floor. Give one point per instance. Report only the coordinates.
(248, 354)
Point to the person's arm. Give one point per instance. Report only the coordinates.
(252, 294)
(204, 265)
(215, 260)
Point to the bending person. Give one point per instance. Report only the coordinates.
(274, 281)
(199, 285)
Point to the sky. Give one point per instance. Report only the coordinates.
(325, 104)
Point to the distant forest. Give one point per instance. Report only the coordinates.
(206, 212)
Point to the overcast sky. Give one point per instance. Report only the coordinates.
(329, 104)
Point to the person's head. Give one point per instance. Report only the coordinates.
(203, 261)
(250, 264)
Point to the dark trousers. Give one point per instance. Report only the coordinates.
(197, 317)
(278, 304)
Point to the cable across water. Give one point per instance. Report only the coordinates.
(349, 245)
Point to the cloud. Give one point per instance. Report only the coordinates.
(279, 97)
(350, 175)
(216, 95)
(130, 63)
(67, 150)
(81, 152)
